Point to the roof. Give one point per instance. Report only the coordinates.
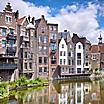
(76, 39)
(52, 24)
(97, 48)
(20, 20)
(37, 22)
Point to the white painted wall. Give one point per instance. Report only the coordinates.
(63, 49)
(82, 56)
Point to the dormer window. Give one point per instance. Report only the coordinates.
(8, 19)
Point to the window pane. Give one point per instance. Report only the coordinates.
(3, 32)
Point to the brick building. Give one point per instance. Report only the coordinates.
(97, 56)
(8, 40)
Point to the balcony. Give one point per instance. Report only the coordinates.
(11, 49)
(7, 66)
(25, 38)
(53, 51)
(11, 37)
(52, 40)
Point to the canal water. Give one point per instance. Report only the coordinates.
(74, 91)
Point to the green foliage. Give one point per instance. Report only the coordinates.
(22, 81)
(4, 89)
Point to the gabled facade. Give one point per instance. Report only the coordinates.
(43, 47)
(66, 54)
(97, 57)
(26, 46)
(63, 55)
(82, 53)
(53, 50)
(79, 58)
(8, 42)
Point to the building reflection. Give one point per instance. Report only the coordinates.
(64, 92)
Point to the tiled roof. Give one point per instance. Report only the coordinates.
(20, 21)
(97, 48)
(94, 49)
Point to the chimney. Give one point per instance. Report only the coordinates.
(65, 30)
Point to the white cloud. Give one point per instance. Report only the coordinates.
(26, 8)
(81, 20)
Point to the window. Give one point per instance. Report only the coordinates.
(78, 58)
(53, 60)
(45, 60)
(78, 62)
(69, 62)
(45, 69)
(8, 19)
(3, 43)
(40, 69)
(86, 63)
(62, 45)
(3, 32)
(40, 48)
(11, 31)
(40, 39)
(55, 28)
(25, 65)
(40, 60)
(60, 61)
(69, 54)
(53, 46)
(70, 46)
(72, 62)
(79, 46)
(25, 55)
(78, 55)
(30, 65)
(64, 53)
(53, 69)
(62, 70)
(94, 57)
(43, 29)
(60, 53)
(78, 70)
(64, 61)
(53, 36)
(86, 56)
(45, 39)
(51, 27)
(45, 48)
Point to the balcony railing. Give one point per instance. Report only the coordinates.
(25, 38)
(53, 40)
(53, 51)
(9, 37)
(11, 49)
(5, 66)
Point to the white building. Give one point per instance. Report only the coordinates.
(63, 55)
(79, 59)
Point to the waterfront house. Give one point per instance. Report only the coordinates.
(97, 56)
(8, 42)
(26, 46)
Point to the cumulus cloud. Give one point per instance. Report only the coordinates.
(26, 8)
(75, 18)
(81, 20)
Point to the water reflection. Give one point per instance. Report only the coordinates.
(63, 92)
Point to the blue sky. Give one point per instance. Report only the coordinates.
(84, 17)
(56, 5)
